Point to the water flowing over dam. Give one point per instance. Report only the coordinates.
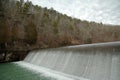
(83, 62)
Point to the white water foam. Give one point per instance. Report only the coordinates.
(48, 72)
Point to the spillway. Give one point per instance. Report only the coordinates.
(82, 62)
(99, 61)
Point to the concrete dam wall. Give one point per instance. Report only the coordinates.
(90, 61)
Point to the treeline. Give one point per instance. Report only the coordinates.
(27, 26)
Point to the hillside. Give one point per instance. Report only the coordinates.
(24, 26)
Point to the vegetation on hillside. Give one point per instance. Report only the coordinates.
(27, 26)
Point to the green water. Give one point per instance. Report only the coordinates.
(11, 71)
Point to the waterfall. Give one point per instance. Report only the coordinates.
(91, 61)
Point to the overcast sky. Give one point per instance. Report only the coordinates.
(105, 11)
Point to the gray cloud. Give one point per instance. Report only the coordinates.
(106, 11)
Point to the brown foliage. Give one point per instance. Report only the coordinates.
(41, 28)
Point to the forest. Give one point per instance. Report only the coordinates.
(25, 26)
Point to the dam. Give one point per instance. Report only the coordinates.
(100, 61)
